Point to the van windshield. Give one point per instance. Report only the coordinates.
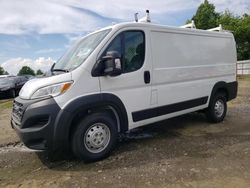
(79, 52)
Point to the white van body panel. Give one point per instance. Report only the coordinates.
(186, 66)
(130, 87)
(84, 84)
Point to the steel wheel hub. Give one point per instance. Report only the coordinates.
(219, 108)
(97, 137)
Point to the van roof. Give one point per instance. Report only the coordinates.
(158, 27)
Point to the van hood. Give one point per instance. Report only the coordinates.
(33, 85)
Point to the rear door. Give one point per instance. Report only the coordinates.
(133, 86)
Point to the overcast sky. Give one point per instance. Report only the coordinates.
(37, 32)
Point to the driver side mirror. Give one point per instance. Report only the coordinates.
(112, 64)
(109, 65)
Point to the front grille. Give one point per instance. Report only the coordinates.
(17, 112)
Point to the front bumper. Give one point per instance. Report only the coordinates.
(34, 122)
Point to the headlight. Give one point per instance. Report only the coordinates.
(53, 90)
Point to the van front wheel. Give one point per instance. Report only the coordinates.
(94, 137)
(217, 109)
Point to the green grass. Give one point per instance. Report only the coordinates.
(246, 77)
(6, 104)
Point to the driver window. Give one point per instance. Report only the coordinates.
(115, 45)
(134, 50)
(130, 45)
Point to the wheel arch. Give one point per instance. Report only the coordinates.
(82, 106)
(220, 87)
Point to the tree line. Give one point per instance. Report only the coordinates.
(25, 70)
(206, 18)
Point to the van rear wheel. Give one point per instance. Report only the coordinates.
(217, 109)
(94, 137)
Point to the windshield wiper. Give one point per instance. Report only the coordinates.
(59, 70)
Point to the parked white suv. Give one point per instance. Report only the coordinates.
(122, 77)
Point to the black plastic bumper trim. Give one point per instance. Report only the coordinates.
(33, 133)
(232, 88)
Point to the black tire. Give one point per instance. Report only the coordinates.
(217, 108)
(12, 93)
(82, 132)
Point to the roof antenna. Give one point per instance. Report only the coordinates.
(136, 17)
(147, 16)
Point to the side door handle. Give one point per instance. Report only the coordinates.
(147, 77)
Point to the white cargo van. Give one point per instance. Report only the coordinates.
(122, 77)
